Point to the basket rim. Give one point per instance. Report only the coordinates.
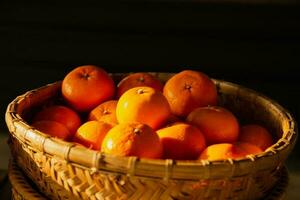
(96, 160)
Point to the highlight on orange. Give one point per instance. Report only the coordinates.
(138, 80)
(87, 86)
(188, 90)
(145, 105)
(132, 139)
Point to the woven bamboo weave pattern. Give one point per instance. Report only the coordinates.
(64, 170)
(21, 189)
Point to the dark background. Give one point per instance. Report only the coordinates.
(254, 43)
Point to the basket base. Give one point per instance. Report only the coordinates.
(22, 189)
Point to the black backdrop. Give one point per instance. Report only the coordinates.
(254, 44)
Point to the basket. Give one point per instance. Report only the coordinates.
(21, 187)
(64, 170)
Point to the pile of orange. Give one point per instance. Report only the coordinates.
(144, 117)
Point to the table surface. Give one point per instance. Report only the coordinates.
(292, 190)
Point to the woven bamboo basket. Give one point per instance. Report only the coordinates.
(64, 170)
(21, 187)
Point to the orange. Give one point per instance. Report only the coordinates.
(256, 135)
(181, 141)
(248, 148)
(87, 86)
(132, 139)
(145, 105)
(105, 112)
(138, 80)
(61, 114)
(217, 124)
(52, 128)
(219, 152)
(226, 150)
(91, 134)
(188, 90)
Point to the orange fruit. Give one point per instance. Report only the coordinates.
(105, 112)
(224, 151)
(52, 128)
(87, 86)
(216, 123)
(145, 105)
(256, 135)
(181, 141)
(132, 139)
(219, 152)
(138, 80)
(188, 90)
(91, 134)
(61, 114)
(248, 148)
